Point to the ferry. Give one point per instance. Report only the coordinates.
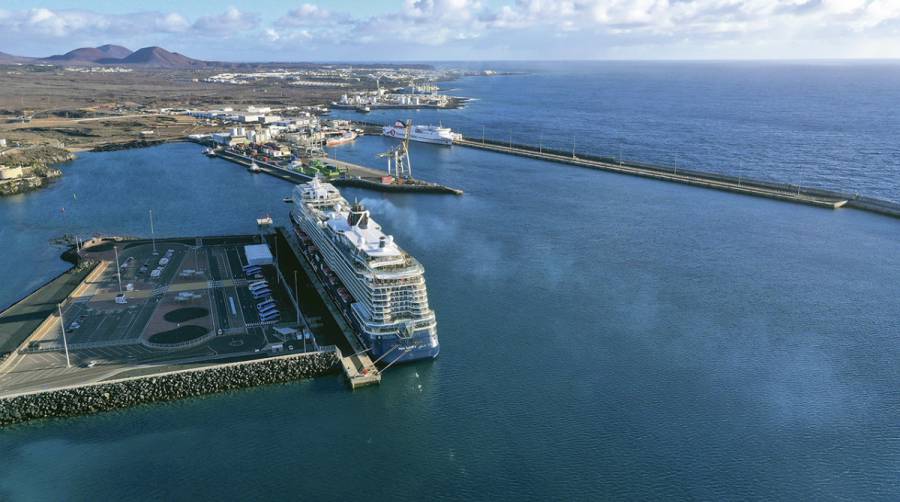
(378, 287)
(346, 137)
(423, 133)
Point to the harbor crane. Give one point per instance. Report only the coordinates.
(398, 163)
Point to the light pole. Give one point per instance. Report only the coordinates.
(153, 234)
(62, 327)
(296, 297)
(277, 264)
(118, 269)
(573, 146)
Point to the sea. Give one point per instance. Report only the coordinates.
(603, 336)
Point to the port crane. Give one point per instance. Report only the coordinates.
(398, 157)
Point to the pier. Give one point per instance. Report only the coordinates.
(357, 365)
(357, 176)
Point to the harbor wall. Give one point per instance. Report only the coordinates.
(125, 393)
(854, 200)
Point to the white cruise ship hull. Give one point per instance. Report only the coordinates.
(400, 133)
(378, 289)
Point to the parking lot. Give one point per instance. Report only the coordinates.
(184, 301)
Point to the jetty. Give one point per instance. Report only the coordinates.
(356, 176)
(358, 367)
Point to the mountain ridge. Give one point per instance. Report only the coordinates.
(110, 54)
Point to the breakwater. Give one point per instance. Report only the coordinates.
(125, 393)
(747, 186)
(736, 184)
(671, 174)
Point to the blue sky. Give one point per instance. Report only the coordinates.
(276, 30)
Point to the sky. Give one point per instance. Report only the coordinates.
(435, 30)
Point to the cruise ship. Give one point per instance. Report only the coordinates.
(378, 286)
(423, 133)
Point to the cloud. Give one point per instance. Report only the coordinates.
(640, 23)
(48, 23)
(308, 14)
(477, 29)
(230, 22)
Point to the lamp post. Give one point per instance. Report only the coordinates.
(118, 268)
(153, 234)
(62, 327)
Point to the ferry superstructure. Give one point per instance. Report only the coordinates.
(379, 287)
(423, 133)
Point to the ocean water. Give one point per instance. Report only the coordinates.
(828, 124)
(603, 337)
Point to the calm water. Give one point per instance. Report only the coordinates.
(603, 337)
(827, 124)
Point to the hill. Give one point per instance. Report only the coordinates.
(115, 51)
(152, 57)
(10, 59)
(91, 54)
(159, 58)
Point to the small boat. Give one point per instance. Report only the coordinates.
(346, 137)
(264, 221)
(254, 168)
(209, 152)
(287, 200)
(363, 109)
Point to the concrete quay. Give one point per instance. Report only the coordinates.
(358, 176)
(197, 312)
(357, 366)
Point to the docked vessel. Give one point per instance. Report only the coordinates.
(254, 168)
(424, 133)
(345, 137)
(379, 287)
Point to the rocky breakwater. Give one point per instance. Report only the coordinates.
(94, 398)
(25, 169)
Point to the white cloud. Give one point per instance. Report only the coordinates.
(230, 22)
(478, 29)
